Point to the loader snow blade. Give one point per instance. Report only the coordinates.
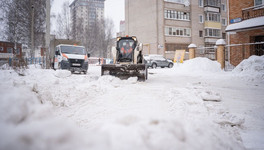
(125, 71)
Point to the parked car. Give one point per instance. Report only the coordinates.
(155, 61)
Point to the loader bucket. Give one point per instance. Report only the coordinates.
(125, 71)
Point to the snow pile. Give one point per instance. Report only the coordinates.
(62, 73)
(251, 69)
(200, 65)
(43, 110)
(210, 96)
(134, 132)
(32, 125)
(34, 66)
(18, 105)
(5, 67)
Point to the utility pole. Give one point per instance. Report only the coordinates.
(47, 36)
(32, 51)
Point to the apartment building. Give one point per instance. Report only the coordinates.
(164, 26)
(246, 29)
(122, 28)
(86, 12)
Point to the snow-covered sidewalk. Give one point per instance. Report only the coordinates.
(190, 106)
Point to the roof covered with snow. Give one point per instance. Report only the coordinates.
(192, 46)
(220, 42)
(246, 24)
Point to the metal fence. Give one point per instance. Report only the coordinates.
(238, 52)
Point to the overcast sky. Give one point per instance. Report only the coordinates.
(114, 9)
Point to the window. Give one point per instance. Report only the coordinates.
(215, 17)
(259, 2)
(173, 31)
(223, 7)
(176, 15)
(215, 3)
(176, 1)
(201, 18)
(223, 35)
(9, 50)
(224, 21)
(212, 32)
(1, 49)
(200, 33)
(200, 3)
(18, 51)
(166, 31)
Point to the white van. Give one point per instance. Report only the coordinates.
(71, 57)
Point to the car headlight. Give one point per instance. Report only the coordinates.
(64, 58)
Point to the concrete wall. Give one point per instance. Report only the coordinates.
(145, 19)
(142, 22)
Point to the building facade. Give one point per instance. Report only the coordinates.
(122, 28)
(246, 29)
(86, 12)
(164, 26)
(7, 50)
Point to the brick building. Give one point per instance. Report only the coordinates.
(7, 50)
(246, 18)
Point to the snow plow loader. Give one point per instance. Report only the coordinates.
(128, 60)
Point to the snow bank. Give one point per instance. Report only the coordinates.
(42, 110)
(251, 69)
(134, 132)
(5, 67)
(18, 105)
(200, 65)
(62, 73)
(34, 66)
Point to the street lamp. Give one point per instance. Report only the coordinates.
(32, 29)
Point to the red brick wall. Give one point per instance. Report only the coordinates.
(5, 45)
(236, 52)
(236, 6)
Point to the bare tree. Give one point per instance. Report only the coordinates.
(96, 37)
(109, 32)
(18, 16)
(63, 22)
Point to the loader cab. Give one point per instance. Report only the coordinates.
(125, 48)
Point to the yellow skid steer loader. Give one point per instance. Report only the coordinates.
(128, 60)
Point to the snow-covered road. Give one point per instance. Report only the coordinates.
(187, 107)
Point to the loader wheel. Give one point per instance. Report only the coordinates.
(154, 66)
(146, 73)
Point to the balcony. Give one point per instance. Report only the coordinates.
(212, 3)
(253, 12)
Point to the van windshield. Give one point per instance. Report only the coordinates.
(73, 50)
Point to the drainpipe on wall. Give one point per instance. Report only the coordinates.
(228, 33)
(163, 29)
(157, 25)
